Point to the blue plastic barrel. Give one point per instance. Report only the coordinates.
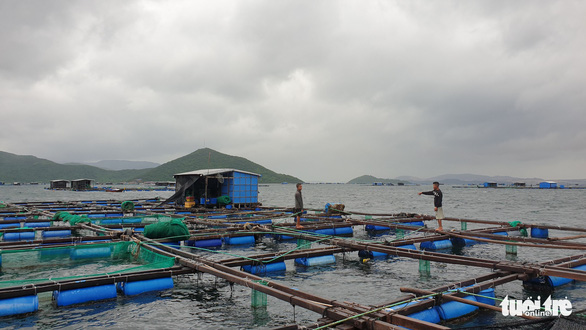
(457, 241)
(27, 235)
(539, 232)
(364, 254)
(454, 309)
(205, 243)
(90, 252)
(283, 237)
(37, 224)
(78, 296)
(343, 231)
(414, 223)
(325, 231)
(487, 293)
(138, 287)
(429, 315)
(19, 236)
(239, 240)
(436, 245)
(13, 236)
(9, 225)
(409, 246)
(19, 305)
(501, 233)
(376, 228)
(131, 220)
(56, 233)
(110, 221)
(274, 267)
(316, 261)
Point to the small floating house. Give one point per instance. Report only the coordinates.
(207, 186)
(548, 185)
(519, 184)
(490, 185)
(58, 184)
(81, 184)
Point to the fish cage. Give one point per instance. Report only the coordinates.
(82, 252)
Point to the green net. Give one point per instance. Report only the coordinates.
(522, 231)
(127, 206)
(259, 299)
(224, 200)
(21, 267)
(174, 229)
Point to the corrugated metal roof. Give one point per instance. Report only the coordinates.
(214, 171)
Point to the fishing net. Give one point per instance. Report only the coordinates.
(127, 206)
(224, 200)
(22, 267)
(175, 229)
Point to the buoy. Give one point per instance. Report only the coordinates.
(263, 269)
(457, 241)
(19, 305)
(414, 223)
(429, 315)
(436, 245)
(364, 254)
(487, 293)
(19, 236)
(326, 231)
(38, 224)
(9, 225)
(138, 287)
(316, 261)
(376, 228)
(239, 240)
(539, 232)
(90, 252)
(408, 246)
(56, 233)
(454, 309)
(205, 243)
(339, 231)
(81, 295)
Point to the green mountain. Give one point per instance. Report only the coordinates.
(208, 158)
(30, 168)
(369, 179)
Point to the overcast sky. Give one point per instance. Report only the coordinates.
(323, 90)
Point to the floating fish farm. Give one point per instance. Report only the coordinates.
(81, 252)
(131, 247)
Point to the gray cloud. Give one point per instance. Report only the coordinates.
(325, 90)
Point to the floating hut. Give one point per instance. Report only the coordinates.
(548, 185)
(58, 184)
(519, 184)
(490, 185)
(216, 186)
(81, 184)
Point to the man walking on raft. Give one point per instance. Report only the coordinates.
(298, 206)
(437, 203)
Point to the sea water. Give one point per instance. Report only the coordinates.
(207, 303)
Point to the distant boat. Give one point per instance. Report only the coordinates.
(34, 183)
(16, 183)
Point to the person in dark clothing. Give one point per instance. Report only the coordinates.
(298, 205)
(437, 203)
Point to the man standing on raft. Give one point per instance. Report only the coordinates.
(298, 205)
(437, 203)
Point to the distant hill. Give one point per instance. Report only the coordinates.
(30, 168)
(199, 160)
(118, 165)
(369, 179)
